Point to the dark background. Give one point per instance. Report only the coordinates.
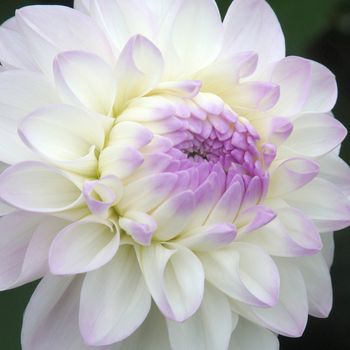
(316, 29)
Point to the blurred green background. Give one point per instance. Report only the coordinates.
(316, 29)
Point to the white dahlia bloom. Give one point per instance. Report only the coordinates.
(173, 179)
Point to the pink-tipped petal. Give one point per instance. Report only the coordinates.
(291, 175)
(83, 246)
(293, 75)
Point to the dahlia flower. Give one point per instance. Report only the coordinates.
(174, 180)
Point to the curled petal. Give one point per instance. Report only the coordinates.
(138, 225)
(101, 194)
(175, 278)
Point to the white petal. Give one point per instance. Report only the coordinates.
(323, 93)
(196, 33)
(84, 79)
(175, 278)
(293, 75)
(121, 20)
(115, 312)
(324, 203)
(37, 187)
(51, 318)
(249, 336)
(289, 316)
(318, 284)
(77, 32)
(244, 272)
(13, 50)
(152, 335)
(210, 328)
(130, 134)
(148, 192)
(139, 69)
(328, 247)
(290, 234)
(208, 237)
(335, 170)
(315, 135)
(229, 204)
(251, 25)
(24, 245)
(64, 135)
(173, 215)
(20, 93)
(82, 5)
(292, 174)
(83, 246)
(119, 160)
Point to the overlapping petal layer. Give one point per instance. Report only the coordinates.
(181, 167)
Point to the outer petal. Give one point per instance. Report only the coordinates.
(210, 328)
(124, 293)
(249, 336)
(37, 187)
(24, 243)
(315, 135)
(292, 174)
(20, 93)
(289, 316)
(244, 272)
(175, 278)
(196, 33)
(82, 5)
(151, 335)
(251, 25)
(318, 284)
(324, 203)
(84, 79)
(77, 32)
(290, 234)
(55, 132)
(323, 93)
(139, 69)
(293, 75)
(13, 50)
(83, 246)
(51, 318)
